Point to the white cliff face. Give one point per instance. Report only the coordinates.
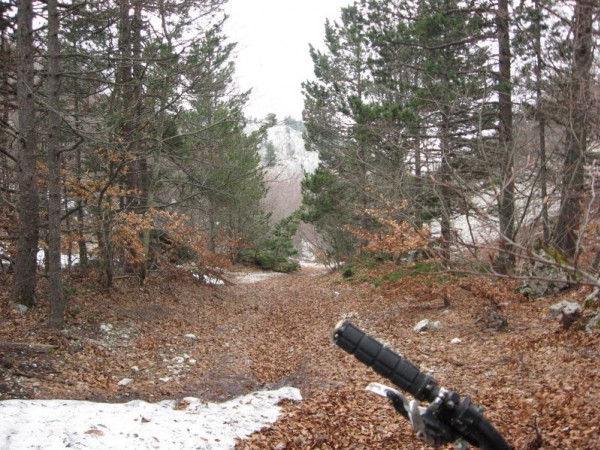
(291, 157)
(288, 162)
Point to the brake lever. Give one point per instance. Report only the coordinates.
(424, 421)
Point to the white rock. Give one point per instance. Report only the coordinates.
(19, 308)
(426, 324)
(191, 336)
(564, 308)
(434, 326)
(456, 341)
(106, 327)
(165, 379)
(421, 326)
(125, 381)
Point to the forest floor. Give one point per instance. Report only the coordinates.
(176, 337)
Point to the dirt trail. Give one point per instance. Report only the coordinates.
(177, 337)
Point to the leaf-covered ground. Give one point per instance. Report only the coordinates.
(176, 337)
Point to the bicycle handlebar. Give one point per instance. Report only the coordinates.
(385, 362)
(464, 418)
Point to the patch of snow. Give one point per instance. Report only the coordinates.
(313, 265)
(59, 424)
(208, 279)
(254, 277)
(306, 250)
(64, 259)
(213, 280)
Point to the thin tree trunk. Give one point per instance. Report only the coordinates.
(541, 123)
(419, 193)
(567, 226)
(58, 303)
(506, 258)
(83, 255)
(24, 280)
(444, 187)
(140, 177)
(81, 240)
(5, 88)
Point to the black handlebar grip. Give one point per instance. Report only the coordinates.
(385, 362)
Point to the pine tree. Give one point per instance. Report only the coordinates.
(221, 157)
(337, 115)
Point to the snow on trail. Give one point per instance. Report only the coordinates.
(193, 424)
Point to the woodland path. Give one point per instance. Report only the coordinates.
(176, 337)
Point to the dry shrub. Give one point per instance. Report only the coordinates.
(174, 240)
(393, 237)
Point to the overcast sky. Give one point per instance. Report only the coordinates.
(272, 52)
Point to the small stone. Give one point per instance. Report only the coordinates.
(125, 381)
(434, 326)
(562, 308)
(456, 341)
(19, 308)
(427, 325)
(191, 336)
(566, 312)
(421, 326)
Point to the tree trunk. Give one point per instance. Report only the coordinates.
(24, 280)
(506, 258)
(138, 149)
(541, 123)
(567, 226)
(444, 189)
(58, 303)
(6, 58)
(81, 241)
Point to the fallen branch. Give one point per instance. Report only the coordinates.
(27, 347)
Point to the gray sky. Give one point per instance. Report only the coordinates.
(272, 52)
